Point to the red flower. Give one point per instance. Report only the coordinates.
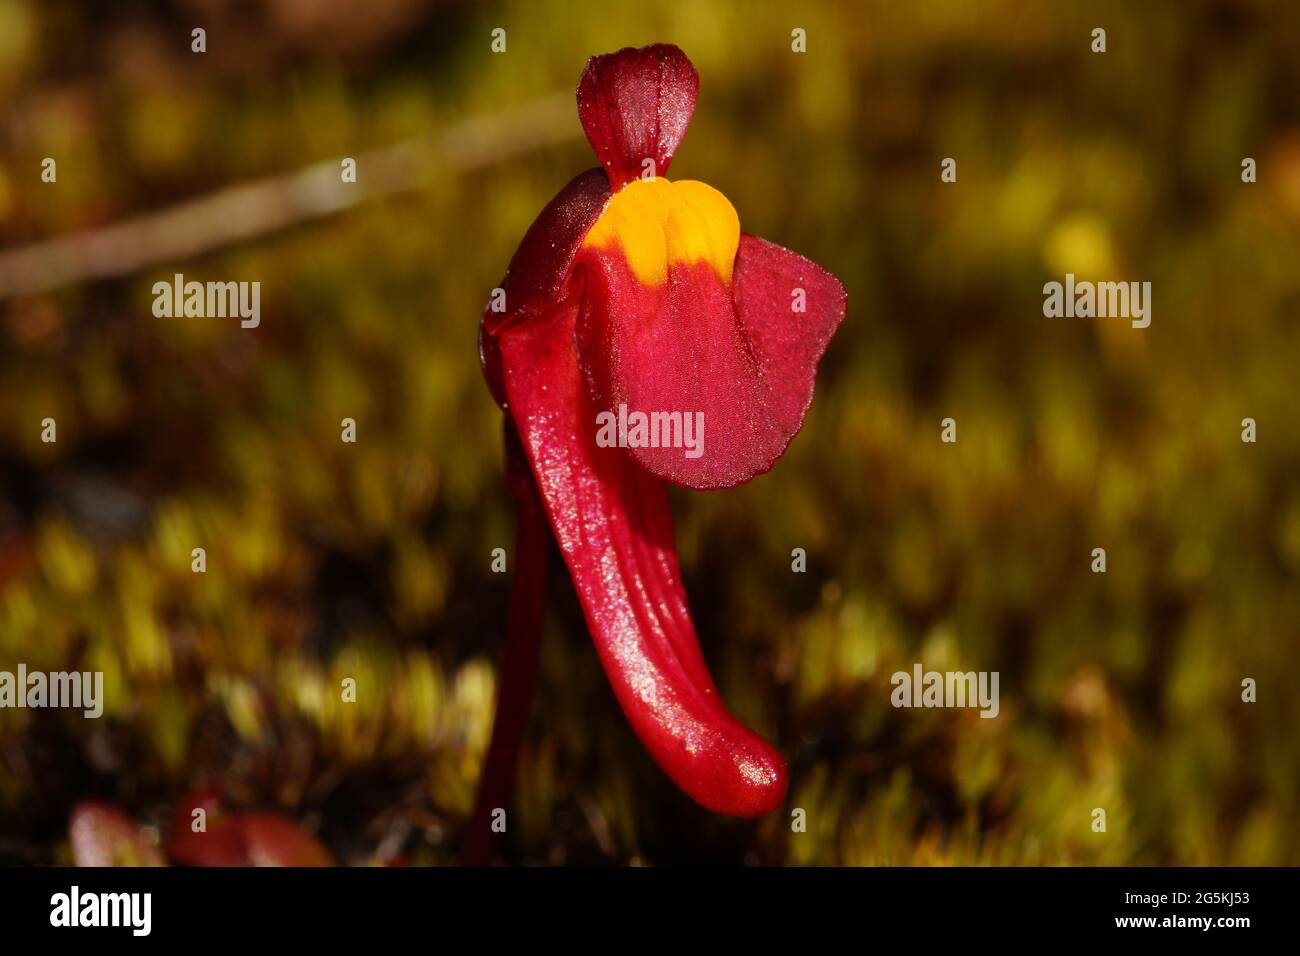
(632, 294)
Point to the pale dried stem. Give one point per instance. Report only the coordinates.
(250, 210)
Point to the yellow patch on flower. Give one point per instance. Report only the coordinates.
(657, 223)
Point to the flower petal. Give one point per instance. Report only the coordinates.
(613, 526)
(635, 106)
(787, 344)
(729, 347)
(539, 270)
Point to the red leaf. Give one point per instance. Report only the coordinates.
(273, 839)
(252, 838)
(220, 843)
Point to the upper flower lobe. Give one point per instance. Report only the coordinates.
(635, 106)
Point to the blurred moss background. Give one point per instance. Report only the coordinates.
(372, 560)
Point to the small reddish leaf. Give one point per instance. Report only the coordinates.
(251, 838)
(274, 840)
(221, 843)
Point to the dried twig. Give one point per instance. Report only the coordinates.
(254, 209)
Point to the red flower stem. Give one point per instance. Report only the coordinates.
(518, 672)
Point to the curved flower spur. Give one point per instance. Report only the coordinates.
(631, 292)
